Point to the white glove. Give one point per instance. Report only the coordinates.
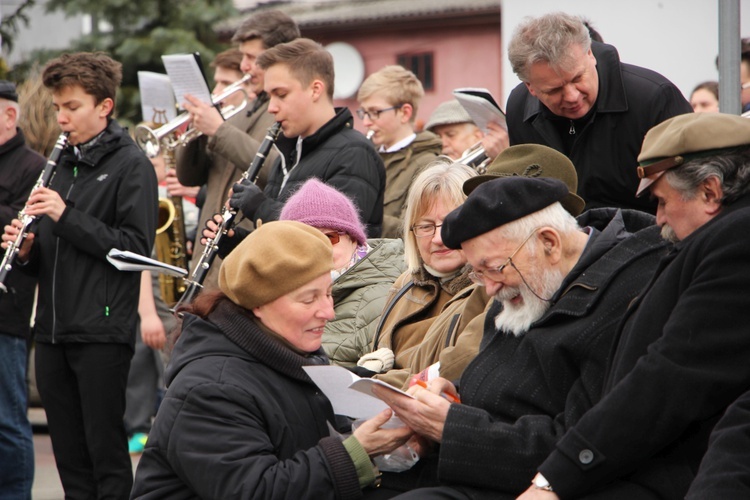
(378, 361)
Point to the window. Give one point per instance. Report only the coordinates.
(421, 65)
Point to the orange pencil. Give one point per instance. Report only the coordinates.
(449, 397)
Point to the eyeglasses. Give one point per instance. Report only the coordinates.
(334, 236)
(480, 277)
(424, 230)
(374, 114)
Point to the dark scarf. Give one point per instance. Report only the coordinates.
(243, 328)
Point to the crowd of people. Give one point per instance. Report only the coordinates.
(566, 323)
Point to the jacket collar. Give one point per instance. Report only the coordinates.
(14, 142)
(110, 139)
(342, 119)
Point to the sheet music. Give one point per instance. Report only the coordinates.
(186, 77)
(158, 103)
(125, 260)
(481, 106)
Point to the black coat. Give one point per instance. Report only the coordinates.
(339, 156)
(631, 100)
(681, 359)
(725, 468)
(111, 198)
(241, 420)
(521, 393)
(20, 167)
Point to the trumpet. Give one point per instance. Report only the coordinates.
(167, 136)
(476, 158)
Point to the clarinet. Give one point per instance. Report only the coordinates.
(26, 220)
(195, 283)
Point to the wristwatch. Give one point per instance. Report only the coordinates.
(540, 482)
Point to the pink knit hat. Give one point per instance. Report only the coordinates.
(322, 206)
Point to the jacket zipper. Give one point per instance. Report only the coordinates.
(54, 267)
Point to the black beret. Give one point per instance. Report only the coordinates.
(498, 202)
(8, 91)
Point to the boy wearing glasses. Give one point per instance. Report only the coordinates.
(299, 82)
(389, 100)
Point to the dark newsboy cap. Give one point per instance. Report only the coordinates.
(497, 202)
(8, 90)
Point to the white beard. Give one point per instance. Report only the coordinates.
(517, 319)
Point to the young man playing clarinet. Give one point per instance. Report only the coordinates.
(299, 81)
(103, 195)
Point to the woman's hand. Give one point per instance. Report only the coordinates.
(377, 441)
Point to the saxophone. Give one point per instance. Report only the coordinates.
(170, 241)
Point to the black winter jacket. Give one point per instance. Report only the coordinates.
(339, 156)
(111, 198)
(241, 420)
(681, 358)
(521, 393)
(20, 167)
(631, 100)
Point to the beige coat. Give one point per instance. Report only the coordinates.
(453, 339)
(404, 325)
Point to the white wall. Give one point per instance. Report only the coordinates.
(677, 38)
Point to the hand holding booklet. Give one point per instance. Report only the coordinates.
(481, 106)
(349, 394)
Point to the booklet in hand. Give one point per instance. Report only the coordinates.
(481, 106)
(349, 394)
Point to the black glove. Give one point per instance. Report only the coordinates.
(246, 197)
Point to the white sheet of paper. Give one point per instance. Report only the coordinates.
(158, 103)
(186, 77)
(349, 394)
(481, 106)
(125, 260)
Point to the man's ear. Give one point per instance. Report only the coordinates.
(551, 244)
(711, 193)
(407, 111)
(530, 88)
(107, 104)
(318, 89)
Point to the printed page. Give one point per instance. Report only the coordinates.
(158, 103)
(187, 77)
(481, 106)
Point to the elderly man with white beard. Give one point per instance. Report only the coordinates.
(561, 286)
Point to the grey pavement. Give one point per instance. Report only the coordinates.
(46, 480)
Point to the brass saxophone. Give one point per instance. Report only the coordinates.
(170, 241)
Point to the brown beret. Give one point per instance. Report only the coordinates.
(275, 259)
(686, 137)
(498, 202)
(534, 160)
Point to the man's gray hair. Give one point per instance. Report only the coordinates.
(554, 216)
(732, 169)
(546, 39)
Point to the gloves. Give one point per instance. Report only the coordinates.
(378, 361)
(246, 197)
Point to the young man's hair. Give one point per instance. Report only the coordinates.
(307, 61)
(272, 27)
(548, 39)
(396, 84)
(98, 74)
(229, 59)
